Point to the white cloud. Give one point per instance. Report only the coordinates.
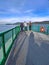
(22, 19)
(12, 10)
(28, 11)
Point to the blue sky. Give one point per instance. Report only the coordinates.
(20, 10)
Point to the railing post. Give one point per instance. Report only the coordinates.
(15, 31)
(3, 46)
(12, 35)
(47, 31)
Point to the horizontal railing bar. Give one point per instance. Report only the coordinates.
(7, 31)
(2, 34)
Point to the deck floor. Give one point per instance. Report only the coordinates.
(30, 48)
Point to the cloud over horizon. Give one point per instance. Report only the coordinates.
(28, 9)
(22, 19)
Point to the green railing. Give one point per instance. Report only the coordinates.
(48, 30)
(6, 41)
(36, 28)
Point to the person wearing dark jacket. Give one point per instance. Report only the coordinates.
(30, 25)
(21, 25)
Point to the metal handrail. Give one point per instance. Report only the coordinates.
(2, 34)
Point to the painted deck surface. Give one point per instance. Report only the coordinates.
(30, 48)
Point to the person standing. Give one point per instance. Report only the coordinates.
(25, 26)
(21, 26)
(30, 25)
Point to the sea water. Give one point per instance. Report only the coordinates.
(4, 28)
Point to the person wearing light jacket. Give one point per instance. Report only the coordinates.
(25, 26)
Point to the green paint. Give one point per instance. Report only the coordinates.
(6, 41)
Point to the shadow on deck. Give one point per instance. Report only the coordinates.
(37, 52)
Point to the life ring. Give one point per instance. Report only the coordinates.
(42, 29)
